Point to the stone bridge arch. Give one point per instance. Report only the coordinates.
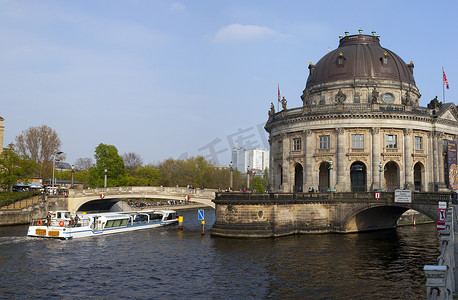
(92, 199)
(374, 216)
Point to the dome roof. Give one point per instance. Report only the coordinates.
(360, 57)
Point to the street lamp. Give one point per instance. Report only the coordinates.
(54, 166)
(230, 168)
(331, 168)
(73, 177)
(248, 177)
(380, 177)
(105, 182)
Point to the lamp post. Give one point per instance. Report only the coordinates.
(105, 182)
(381, 176)
(230, 169)
(73, 177)
(248, 177)
(53, 183)
(331, 181)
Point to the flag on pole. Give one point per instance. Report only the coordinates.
(278, 93)
(445, 79)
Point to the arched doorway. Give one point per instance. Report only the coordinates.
(358, 177)
(323, 184)
(298, 178)
(391, 176)
(417, 176)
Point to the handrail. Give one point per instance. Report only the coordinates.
(440, 282)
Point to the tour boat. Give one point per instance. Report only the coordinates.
(62, 225)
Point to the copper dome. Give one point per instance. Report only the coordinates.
(360, 57)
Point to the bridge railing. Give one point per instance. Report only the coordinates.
(182, 191)
(440, 281)
(385, 197)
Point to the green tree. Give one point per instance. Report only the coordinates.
(107, 157)
(259, 184)
(14, 167)
(144, 176)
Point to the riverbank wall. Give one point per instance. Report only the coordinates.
(34, 211)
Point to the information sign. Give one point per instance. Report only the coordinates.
(201, 214)
(377, 195)
(403, 196)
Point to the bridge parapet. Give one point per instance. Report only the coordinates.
(147, 190)
(385, 198)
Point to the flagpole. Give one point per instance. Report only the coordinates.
(443, 85)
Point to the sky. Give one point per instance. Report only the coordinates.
(177, 79)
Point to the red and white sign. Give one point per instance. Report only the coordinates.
(377, 195)
(442, 214)
(441, 225)
(102, 196)
(186, 198)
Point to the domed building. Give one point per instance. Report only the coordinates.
(360, 127)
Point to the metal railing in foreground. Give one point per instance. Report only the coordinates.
(440, 281)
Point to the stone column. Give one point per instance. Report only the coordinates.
(440, 160)
(285, 164)
(308, 156)
(340, 165)
(376, 158)
(408, 173)
(431, 161)
(271, 166)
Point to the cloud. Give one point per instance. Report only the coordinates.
(241, 33)
(177, 6)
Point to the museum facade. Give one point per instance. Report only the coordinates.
(360, 127)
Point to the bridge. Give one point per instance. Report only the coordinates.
(270, 215)
(104, 199)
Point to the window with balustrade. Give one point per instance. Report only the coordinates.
(418, 143)
(297, 144)
(357, 140)
(391, 141)
(325, 141)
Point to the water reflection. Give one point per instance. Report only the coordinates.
(168, 263)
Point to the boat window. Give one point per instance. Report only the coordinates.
(155, 217)
(171, 216)
(124, 222)
(58, 215)
(116, 223)
(109, 224)
(67, 215)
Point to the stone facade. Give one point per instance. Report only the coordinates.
(360, 127)
(2, 129)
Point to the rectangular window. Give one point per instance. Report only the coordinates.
(325, 141)
(297, 144)
(357, 140)
(391, 141)
(418, 143)
(280, 147)
(357, 98)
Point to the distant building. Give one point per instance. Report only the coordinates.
(255, 159)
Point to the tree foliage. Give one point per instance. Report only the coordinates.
(40, 143)
(83, 163)
(144, 176)
(198, 172)
(107, 157)
(259, 184)
(132, 161)
(14, 167)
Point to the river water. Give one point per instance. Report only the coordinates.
(165, 263)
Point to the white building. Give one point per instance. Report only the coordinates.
(255, 159)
